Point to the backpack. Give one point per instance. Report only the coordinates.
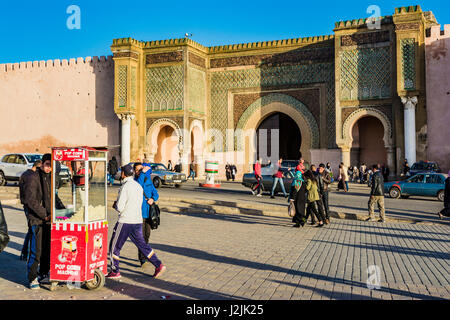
(154, 216)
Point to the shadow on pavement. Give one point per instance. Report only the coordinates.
(395, 235)
(402, 229)
(163, 288)
(397, 249)
(5, 206)
(199, 254)
(241, 218)
(352, 296)
(13, 269)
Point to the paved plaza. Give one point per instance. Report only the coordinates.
(220, 256)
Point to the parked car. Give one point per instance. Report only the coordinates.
(161, 175)
(421, 184)
(249, 180)
(424, 167)
(13, 165)
(289, 164)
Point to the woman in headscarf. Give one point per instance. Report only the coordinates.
(313, 198)
(446, 210)
(298, 196)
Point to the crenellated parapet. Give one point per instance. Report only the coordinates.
(56, 63)
(435, 33)
(409, 9)
(361, 23)
(223, 48)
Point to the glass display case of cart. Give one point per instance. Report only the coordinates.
(83, 199)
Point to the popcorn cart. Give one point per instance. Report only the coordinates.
(79, 230)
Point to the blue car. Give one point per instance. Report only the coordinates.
(421, 184)
(424, 167)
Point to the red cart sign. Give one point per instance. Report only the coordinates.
(69, 154)
(77, 250)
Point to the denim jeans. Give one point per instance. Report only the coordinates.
(274, 185)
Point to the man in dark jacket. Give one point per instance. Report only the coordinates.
(446, 211)
(113, 168)
(4, 238)
(37, 198)
(324, 180)
(22, 182)
(376, 195)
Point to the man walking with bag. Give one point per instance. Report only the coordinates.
(129, 225)
(324, 180)
(376, 195)
(142, 174)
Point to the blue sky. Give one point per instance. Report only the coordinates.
(37, 30)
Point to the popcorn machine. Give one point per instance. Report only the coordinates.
(79, 230)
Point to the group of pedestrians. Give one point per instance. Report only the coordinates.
(309, 195)
(308, 192)
(230, 171)
(134, 203)
(177, 168)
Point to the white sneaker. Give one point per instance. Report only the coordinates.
(259, 195)
(34, 284)
(253, 192)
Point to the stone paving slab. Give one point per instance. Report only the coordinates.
(258, 257)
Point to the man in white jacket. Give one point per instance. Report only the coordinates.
(129, 225)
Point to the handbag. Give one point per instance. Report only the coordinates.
(291, 208)
(154, 214)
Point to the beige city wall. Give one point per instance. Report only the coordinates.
(57, 102)
(437, 49)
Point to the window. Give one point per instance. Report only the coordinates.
(417, 179)
(20, 159)
(12, 159)
(158, 167)
(434, 179)
(417, 166)
(5, 158)
(32, 158)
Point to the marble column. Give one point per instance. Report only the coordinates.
(125, 139)
(409, 104)
(345, 155)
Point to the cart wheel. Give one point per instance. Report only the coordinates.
(97, 282)
(53, 285)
